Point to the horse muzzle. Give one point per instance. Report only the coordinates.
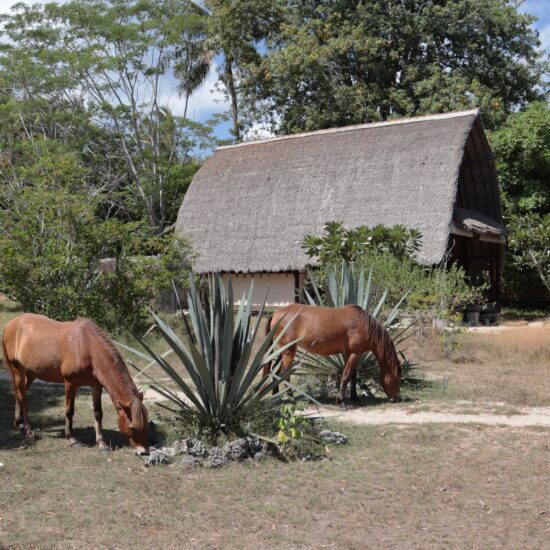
(141, 451)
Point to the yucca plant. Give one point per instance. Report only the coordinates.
(223, 387)
(349, 285)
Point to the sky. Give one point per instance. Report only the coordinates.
(207, 101)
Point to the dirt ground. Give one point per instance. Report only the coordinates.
(398, 484)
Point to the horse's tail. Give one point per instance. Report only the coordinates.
(5, 359)
(4, 355)
(267, 366)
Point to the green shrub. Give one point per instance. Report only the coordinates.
(52, 245)
(438, 291)
(339, 244)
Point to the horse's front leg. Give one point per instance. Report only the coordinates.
(98, 414)
(348, 368)
(70, 396)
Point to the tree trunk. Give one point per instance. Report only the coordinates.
(229, 82)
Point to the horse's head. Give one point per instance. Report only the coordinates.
(390, 378)
(132, 422)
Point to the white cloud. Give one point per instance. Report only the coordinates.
(5, 5)
(544, 35)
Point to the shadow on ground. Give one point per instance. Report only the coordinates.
(42, 397)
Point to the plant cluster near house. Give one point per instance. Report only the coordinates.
(388, 253)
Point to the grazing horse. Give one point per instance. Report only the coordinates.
(75, 353)
(327, 331)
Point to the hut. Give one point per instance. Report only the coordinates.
(251, 204)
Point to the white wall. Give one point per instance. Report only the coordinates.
(279, 285)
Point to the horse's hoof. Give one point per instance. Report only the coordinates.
(355, 398)
(342, 406)
(74, 444)
(104, 449)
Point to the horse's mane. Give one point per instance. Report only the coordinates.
(380, 340)
(138, 416)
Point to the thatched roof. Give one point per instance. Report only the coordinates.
(478, 223)
(250, 205)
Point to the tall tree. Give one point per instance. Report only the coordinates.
(522, 150)
(235, 30)
(113, 58)
(350, 61)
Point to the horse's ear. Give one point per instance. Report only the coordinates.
(139, 415)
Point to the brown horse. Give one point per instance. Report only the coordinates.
(327, 331)
(74, 353)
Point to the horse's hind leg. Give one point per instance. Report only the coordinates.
(70, 396)
(98, 414)
(353, 383)
(346, 375)
(288, 359)
(21, 406)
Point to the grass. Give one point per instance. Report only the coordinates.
(417, 487)
(509, 367)
(427, 486)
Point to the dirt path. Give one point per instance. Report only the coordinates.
(470, 413)
(535, 416)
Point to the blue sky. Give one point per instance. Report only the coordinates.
(207, 101)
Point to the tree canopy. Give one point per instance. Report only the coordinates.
(350, 61)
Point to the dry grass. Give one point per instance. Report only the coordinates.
(425, 486)
(511, 366)
(421, 487)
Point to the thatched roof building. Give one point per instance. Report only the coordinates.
(250, 205)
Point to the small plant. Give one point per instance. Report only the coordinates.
(290, 423)
(223, 391)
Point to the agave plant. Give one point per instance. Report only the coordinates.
(223, 386)
(346, 286)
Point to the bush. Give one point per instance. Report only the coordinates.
(52, 245)
(438, 291)
(389, 254)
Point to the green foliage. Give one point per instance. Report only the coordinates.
(337, 63)
(91, 75)
(290, 424)
(340, 244)
(440, 291)
(222, 362)
(522, 150)
(387, 254)
(349, 285)
(530, 244)
(52, 245)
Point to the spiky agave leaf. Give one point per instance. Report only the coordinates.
(222, 383)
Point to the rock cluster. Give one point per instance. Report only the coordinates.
(329, 436)
(193, 452)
